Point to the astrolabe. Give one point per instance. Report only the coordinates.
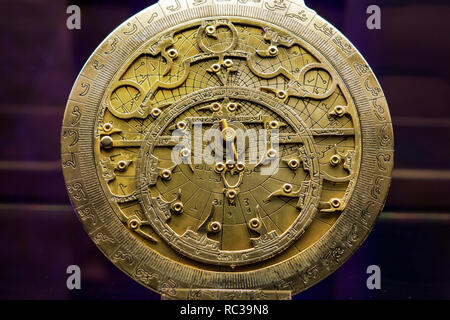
(227, 149)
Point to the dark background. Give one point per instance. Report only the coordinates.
(40, 235)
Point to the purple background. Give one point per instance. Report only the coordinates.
(40, 236)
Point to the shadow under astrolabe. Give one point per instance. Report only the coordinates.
(227, 152)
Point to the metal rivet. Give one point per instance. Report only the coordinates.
(166, 174)
(339, 110)
(107, 127)
(228, 63)
(274, 124)
(335, 203)
(215, 107)
(281, 94)
(172, 53)
(177, 207)
(240, 166)
(272, 153)
(134, 223)
(254, 224)
(181, 125)
(293, 163)
(122, 165)
(230, 164)
(184, 153)
(215, 226)
(273, 51)
(106, 142)
(156, 112)
(215, 67)
(220, 167)
(231, 194)
(335, 160)
(287, 188)
(210, 29)
(232, 106)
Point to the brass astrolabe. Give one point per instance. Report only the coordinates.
(227, 149)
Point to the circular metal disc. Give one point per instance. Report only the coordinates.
(301, 120)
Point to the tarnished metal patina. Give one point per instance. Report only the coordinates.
(261, 229)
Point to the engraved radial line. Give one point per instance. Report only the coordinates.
(279, 180)
(317, 77)
(195, 198)
(132, 101)
(205, 210)
(245, 219)
(135, 75)
(125, 110)
(147, 78)
(306, 103)
(270, 218)
(290, 61)
(174, 188)
(223, 220)
(301, 54)
(267, 215)
(193, 194)
(315, 122)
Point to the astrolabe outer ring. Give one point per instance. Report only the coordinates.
(164, 275)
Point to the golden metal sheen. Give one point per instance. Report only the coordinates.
(178, 228)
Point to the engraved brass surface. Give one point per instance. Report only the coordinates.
(271, 66)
